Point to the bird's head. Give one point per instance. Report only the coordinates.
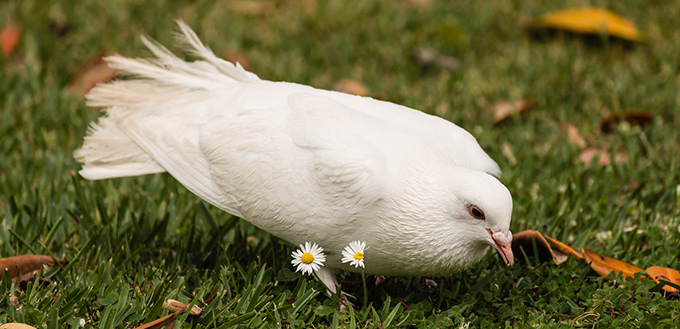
(445, 224)
(482, 206)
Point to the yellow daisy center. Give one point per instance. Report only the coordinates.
(359, 255)
(307, 258)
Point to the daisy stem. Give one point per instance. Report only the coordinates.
(363, 280)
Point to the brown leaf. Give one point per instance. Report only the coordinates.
(603, 156)
(573, 136)
(525, 240)
(351, 87)
(237, 56)
(27, 265)
(664, 273)
(167, 321)
(175, 306)
(94, 71)
(634, 117)
(16, 326)
(563, 248)
(9, 39)
(590, 20)
(604, 265)
(503, 110)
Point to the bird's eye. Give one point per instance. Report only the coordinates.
(476, 212)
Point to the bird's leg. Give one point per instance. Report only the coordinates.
(379, 279)
(327, 277)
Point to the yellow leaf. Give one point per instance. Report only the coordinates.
(591, 20)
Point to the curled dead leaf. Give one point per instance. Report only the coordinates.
(658, 273)
(590, 20)
(525, 240)
(174, 306)
(503, 110)
(167, 322)
(351, 87)
(27, 265)
(634, 117)
(9, 39)
(604, 265)
(94, 71)
(563, 248)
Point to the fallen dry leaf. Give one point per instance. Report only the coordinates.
(590, 20)
(27, 265)
(237, 56)
(573, 136)
(503, 110)
(94, 71)
(167, 322)
(16, 326)
(563, 248)
(603, 156)
(657, 273)
(351, 87)
(634, 117)
(9, 39)
(604, 265)
(174, 306)
(525, 240)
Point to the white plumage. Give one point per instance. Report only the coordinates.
(302, 163)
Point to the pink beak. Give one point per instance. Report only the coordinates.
(502, 240)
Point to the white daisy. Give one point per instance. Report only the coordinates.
(309, 258)
(354, 253)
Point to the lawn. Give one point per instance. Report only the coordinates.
(134, 242)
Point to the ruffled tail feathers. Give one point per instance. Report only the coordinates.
(107, 151)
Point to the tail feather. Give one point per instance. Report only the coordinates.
(108, 151)
(237, 72)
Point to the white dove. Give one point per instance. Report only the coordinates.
(304, 164)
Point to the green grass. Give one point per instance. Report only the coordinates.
(134, 242)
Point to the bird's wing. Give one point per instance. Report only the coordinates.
(422, 132)
(291, 168)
